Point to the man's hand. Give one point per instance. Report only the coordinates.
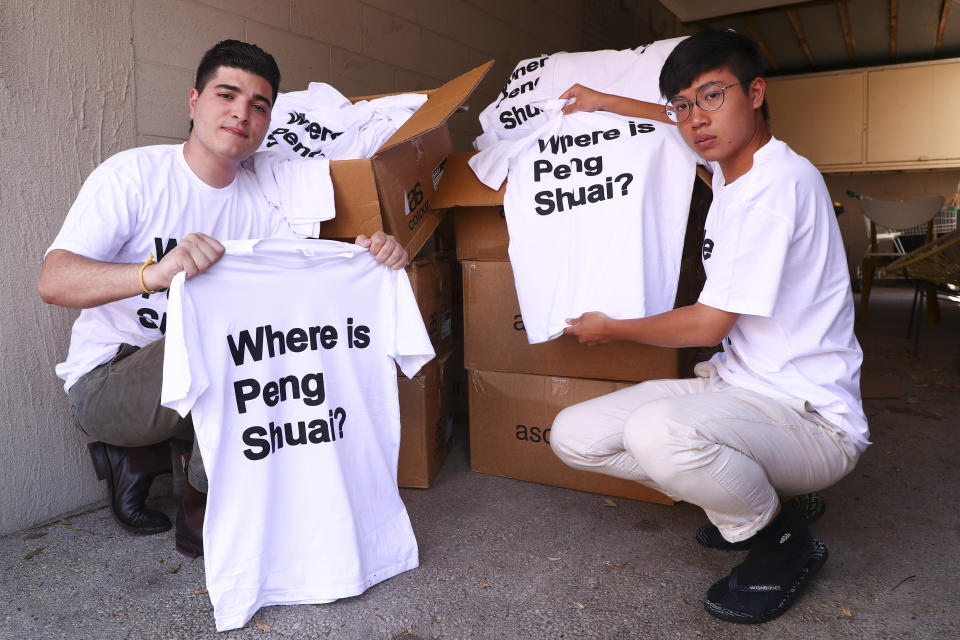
(194, 254)
(385, 249)
(585, 99)
(590, 329)
(71, 280)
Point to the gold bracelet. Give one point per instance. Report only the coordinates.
(146, 263)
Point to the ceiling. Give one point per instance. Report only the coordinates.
(819, 35)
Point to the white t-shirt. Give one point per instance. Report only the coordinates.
(321, 122)
(283, 353)
(772, 253)
(519, 107)
(596, 207)
(143, 201)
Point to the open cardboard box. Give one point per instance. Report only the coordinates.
(393, 190)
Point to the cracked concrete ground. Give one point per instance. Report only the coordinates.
(507, 559)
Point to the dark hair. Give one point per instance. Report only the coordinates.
(238, 55)
(709, 50)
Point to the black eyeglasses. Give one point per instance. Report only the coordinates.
(709, 98)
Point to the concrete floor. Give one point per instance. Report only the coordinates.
(507, 559)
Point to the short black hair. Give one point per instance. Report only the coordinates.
(238, 55)
(709, 50)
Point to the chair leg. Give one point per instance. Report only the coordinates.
(916, 329)
(913, 310)
(933, 309)
(866, 282)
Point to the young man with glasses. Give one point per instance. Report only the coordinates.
(778, 411)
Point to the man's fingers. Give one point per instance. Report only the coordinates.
(398, 259)
(362, 240)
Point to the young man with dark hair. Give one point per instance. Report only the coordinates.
(778, 411)
(140, 218)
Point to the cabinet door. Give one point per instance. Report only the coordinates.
(820, 117)
(911, 113)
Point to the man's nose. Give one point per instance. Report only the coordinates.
(698, 116)
(240, 108)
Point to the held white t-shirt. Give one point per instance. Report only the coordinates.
(143, 201)
(596, 208)
(518, 109)
(283, 352)
(772, 253)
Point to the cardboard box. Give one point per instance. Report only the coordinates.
(494, 338)
(426, 424)
(432, 281)
(481, 233)
(510, 419)
(393, 189)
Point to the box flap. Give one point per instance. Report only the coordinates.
(461, 188)
(440, 105)
(356, 200)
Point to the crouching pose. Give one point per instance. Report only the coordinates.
(778, 411)
(141, 217)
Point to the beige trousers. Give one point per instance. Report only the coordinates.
(726, 449)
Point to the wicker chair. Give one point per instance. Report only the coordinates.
(890, 217)
(934, 268)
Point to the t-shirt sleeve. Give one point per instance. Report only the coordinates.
(411, 348)
(102, 218)
(184, 377)
(744, 260)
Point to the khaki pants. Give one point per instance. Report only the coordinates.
(119, 403)
(701, 440)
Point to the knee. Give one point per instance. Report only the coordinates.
(658, 441)
(564, 433)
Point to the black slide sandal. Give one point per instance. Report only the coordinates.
(753, 604)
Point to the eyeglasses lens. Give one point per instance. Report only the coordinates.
(710, 97)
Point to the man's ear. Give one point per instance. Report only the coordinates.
(194, 94)
(758, 91)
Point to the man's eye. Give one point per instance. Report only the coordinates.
(260, 108)
(680, 107)
(225, 96)
(713, 94)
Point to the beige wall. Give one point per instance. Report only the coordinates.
(66, 99)
(80, 81)
(360, 47)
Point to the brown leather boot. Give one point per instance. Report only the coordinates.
(129, 472)
(189, 532)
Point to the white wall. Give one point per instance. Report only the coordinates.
(66, 103)
(80, 81)
(361, 47)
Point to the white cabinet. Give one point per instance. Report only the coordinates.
(820, 117)
(912, 114)
(884, 118)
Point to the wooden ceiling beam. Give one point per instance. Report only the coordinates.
(758, 38)
(944, 13)
(801, 36)
(845, 24)
(893, 28)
